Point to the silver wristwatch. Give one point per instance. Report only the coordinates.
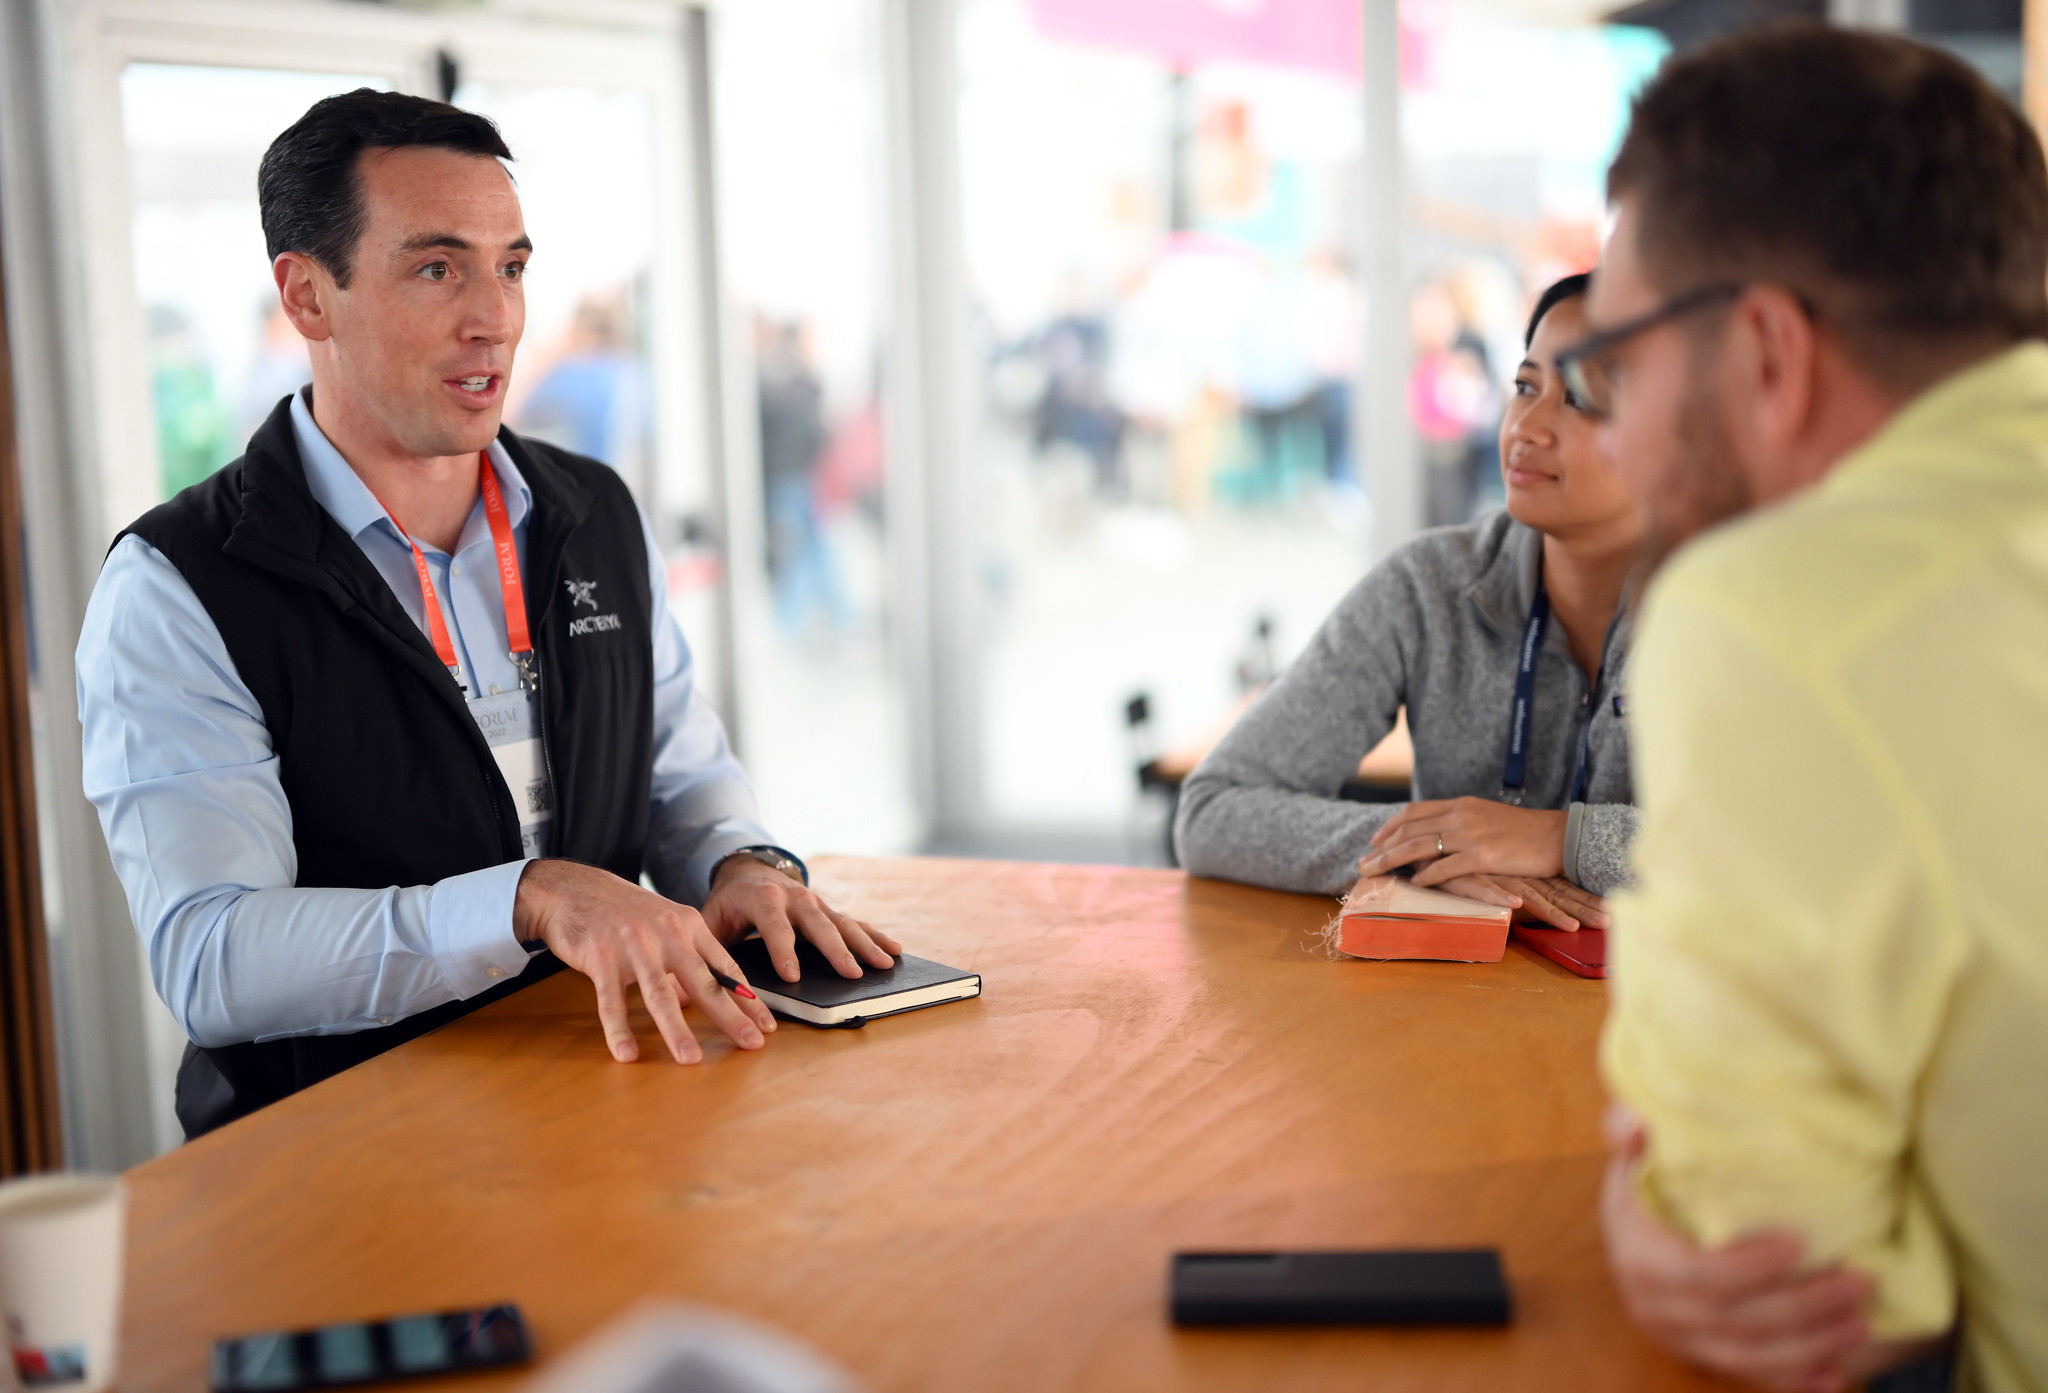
(775, 858)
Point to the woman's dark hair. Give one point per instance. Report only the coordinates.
(308, 188)
(1570, 288)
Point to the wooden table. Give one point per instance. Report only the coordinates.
(980, 1196)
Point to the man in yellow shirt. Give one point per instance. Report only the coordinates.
(1816, 353)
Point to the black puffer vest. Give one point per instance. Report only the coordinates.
(390, 782)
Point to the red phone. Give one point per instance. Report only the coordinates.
(1582, 951)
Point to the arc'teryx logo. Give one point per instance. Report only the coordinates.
(584, 592)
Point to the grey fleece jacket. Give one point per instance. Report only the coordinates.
(1436, 628)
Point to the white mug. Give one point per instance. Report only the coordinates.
(60, 1280)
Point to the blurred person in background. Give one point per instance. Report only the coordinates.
(280, 368)
(590, 394)
(1441, 628)
(1335, 321)
(1282, 387)
(1488, 294)
(1451, 401)
(1816, 346)
(1074, 408)
(1172, 336)
(793, 438)
(191, 427)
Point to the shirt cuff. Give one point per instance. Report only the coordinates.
(1574, 831)
(716, 847)
(469, 928)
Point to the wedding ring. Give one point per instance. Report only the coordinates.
(1439, 843)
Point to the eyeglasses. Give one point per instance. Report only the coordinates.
(1587, 367)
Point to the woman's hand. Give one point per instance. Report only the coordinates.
(1457, 837)
(1554, 901)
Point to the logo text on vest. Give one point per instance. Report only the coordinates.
(593, 624)
(584, 592)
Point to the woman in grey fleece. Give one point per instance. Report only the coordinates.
(1439, 627)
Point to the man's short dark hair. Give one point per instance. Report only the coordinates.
(1884, 180)
(309, 187)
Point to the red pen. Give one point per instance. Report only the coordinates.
(734, 985)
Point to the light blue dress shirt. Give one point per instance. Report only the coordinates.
(179, 763)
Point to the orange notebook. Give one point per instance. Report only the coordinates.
(1389, 916)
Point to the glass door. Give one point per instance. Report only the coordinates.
(220, 353)
(584, 162)
(798, 103)
(1168, 325)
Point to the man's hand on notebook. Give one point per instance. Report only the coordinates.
(1551, 900)
(1447, 838)
(618, 934)
(745, 894)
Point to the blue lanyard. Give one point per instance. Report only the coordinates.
(1514, 773)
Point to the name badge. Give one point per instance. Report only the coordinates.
(510, 722)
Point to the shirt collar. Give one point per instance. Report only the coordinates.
(2012, 379)
(1506, 588)
(348, 500)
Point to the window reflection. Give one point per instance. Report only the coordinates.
(584, 163)
(1157, 248)
(801, 183)
(221, 353)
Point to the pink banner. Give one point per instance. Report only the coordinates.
(1324, 35)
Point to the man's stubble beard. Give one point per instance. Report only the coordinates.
(1704, 484)
(431, 433)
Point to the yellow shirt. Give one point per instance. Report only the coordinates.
(1830, 994)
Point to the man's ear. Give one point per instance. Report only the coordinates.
(304, 290)
(1778, 351)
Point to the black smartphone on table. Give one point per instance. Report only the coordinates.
(1385, 1287)
(354, 1353)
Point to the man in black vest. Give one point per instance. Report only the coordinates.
(387, 718)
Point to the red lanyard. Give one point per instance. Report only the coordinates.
(508, 581)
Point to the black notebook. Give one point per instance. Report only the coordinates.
(822, 997)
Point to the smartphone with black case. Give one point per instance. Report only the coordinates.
(1385, 1287)
(359, 1352)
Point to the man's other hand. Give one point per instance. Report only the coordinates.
(618, 934)
(746, 894)
(1751, 1308)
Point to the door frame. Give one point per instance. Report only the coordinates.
(31, 1123)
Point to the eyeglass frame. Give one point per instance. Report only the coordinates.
(1571, 361)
